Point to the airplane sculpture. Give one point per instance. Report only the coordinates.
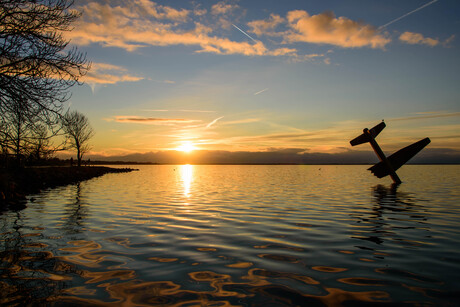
(388, 165)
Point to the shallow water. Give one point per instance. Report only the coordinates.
(238, 236)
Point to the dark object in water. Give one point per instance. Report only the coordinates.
(388, 166)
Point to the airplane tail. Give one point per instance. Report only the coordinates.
(399, 158)
(363, 138)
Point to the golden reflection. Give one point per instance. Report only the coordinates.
(328, 269)
(186, 173)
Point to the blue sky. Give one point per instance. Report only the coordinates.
(265, 75)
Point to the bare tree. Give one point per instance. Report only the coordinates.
(78, 131)
(34, 65)
(40, 146)
(25, 136)
(37, 68)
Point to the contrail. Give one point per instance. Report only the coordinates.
(407, 14)
(261, 91)
(213, 122)
(247, 33)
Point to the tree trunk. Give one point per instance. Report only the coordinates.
(78, 157)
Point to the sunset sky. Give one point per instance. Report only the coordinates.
(269, 75)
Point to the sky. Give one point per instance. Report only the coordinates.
(303, 77)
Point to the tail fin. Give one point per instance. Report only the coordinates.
(399, 158)
(363, 138)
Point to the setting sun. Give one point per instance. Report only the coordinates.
(186, 147)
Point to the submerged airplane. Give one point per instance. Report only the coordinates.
(388, 165)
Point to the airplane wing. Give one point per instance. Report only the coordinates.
(399, 158)
(363, 138)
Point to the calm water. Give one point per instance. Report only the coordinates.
(238, 236)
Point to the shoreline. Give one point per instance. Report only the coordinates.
(280, 163)
(16, 184)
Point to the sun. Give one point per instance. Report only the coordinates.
(186, 147)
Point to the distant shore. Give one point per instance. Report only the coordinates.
(250, 163)
(15, 185)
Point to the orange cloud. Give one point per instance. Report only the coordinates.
(145, 23)
(417, 38)
(102, 73)
(325, 28)
(159, 11)
(260, 27)
(222, 8)
(428, 115)
(152, 120)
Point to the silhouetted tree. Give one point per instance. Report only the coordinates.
(25, 135)
(40, 146)
(36, 67)
(78, 131)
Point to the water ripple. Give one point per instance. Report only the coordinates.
(237, 235)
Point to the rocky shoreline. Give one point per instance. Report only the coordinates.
(15, 185)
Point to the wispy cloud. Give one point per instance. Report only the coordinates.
(145, 23)
(449, 40)
(103, 73)
(222, 8)
(213, 122)
(268, 26)
(140, 23)
(266, 135)
(242, 121)
(417, 38)
(197, 111)
(152, 120)
(426, 116)
(163, 81)
(260, 92)
(180, 110)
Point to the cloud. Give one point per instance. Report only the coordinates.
(325, 28)
(312, 57)
(213, 122)
(449, 40)
(260, 27)
(418, 39)
(163, 81)
(426, 115)
(152, 120)
(159, 11)
(103, 73)
(181, 110)
(222, 8)
(145, 23)
(197, 111)
(242, 121)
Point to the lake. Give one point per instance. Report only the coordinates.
(230, 235)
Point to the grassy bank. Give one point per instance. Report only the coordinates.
(16, 184)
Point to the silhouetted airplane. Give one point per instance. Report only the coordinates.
(388, 165)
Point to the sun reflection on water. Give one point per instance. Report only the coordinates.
(234, 235)
(186, 174)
